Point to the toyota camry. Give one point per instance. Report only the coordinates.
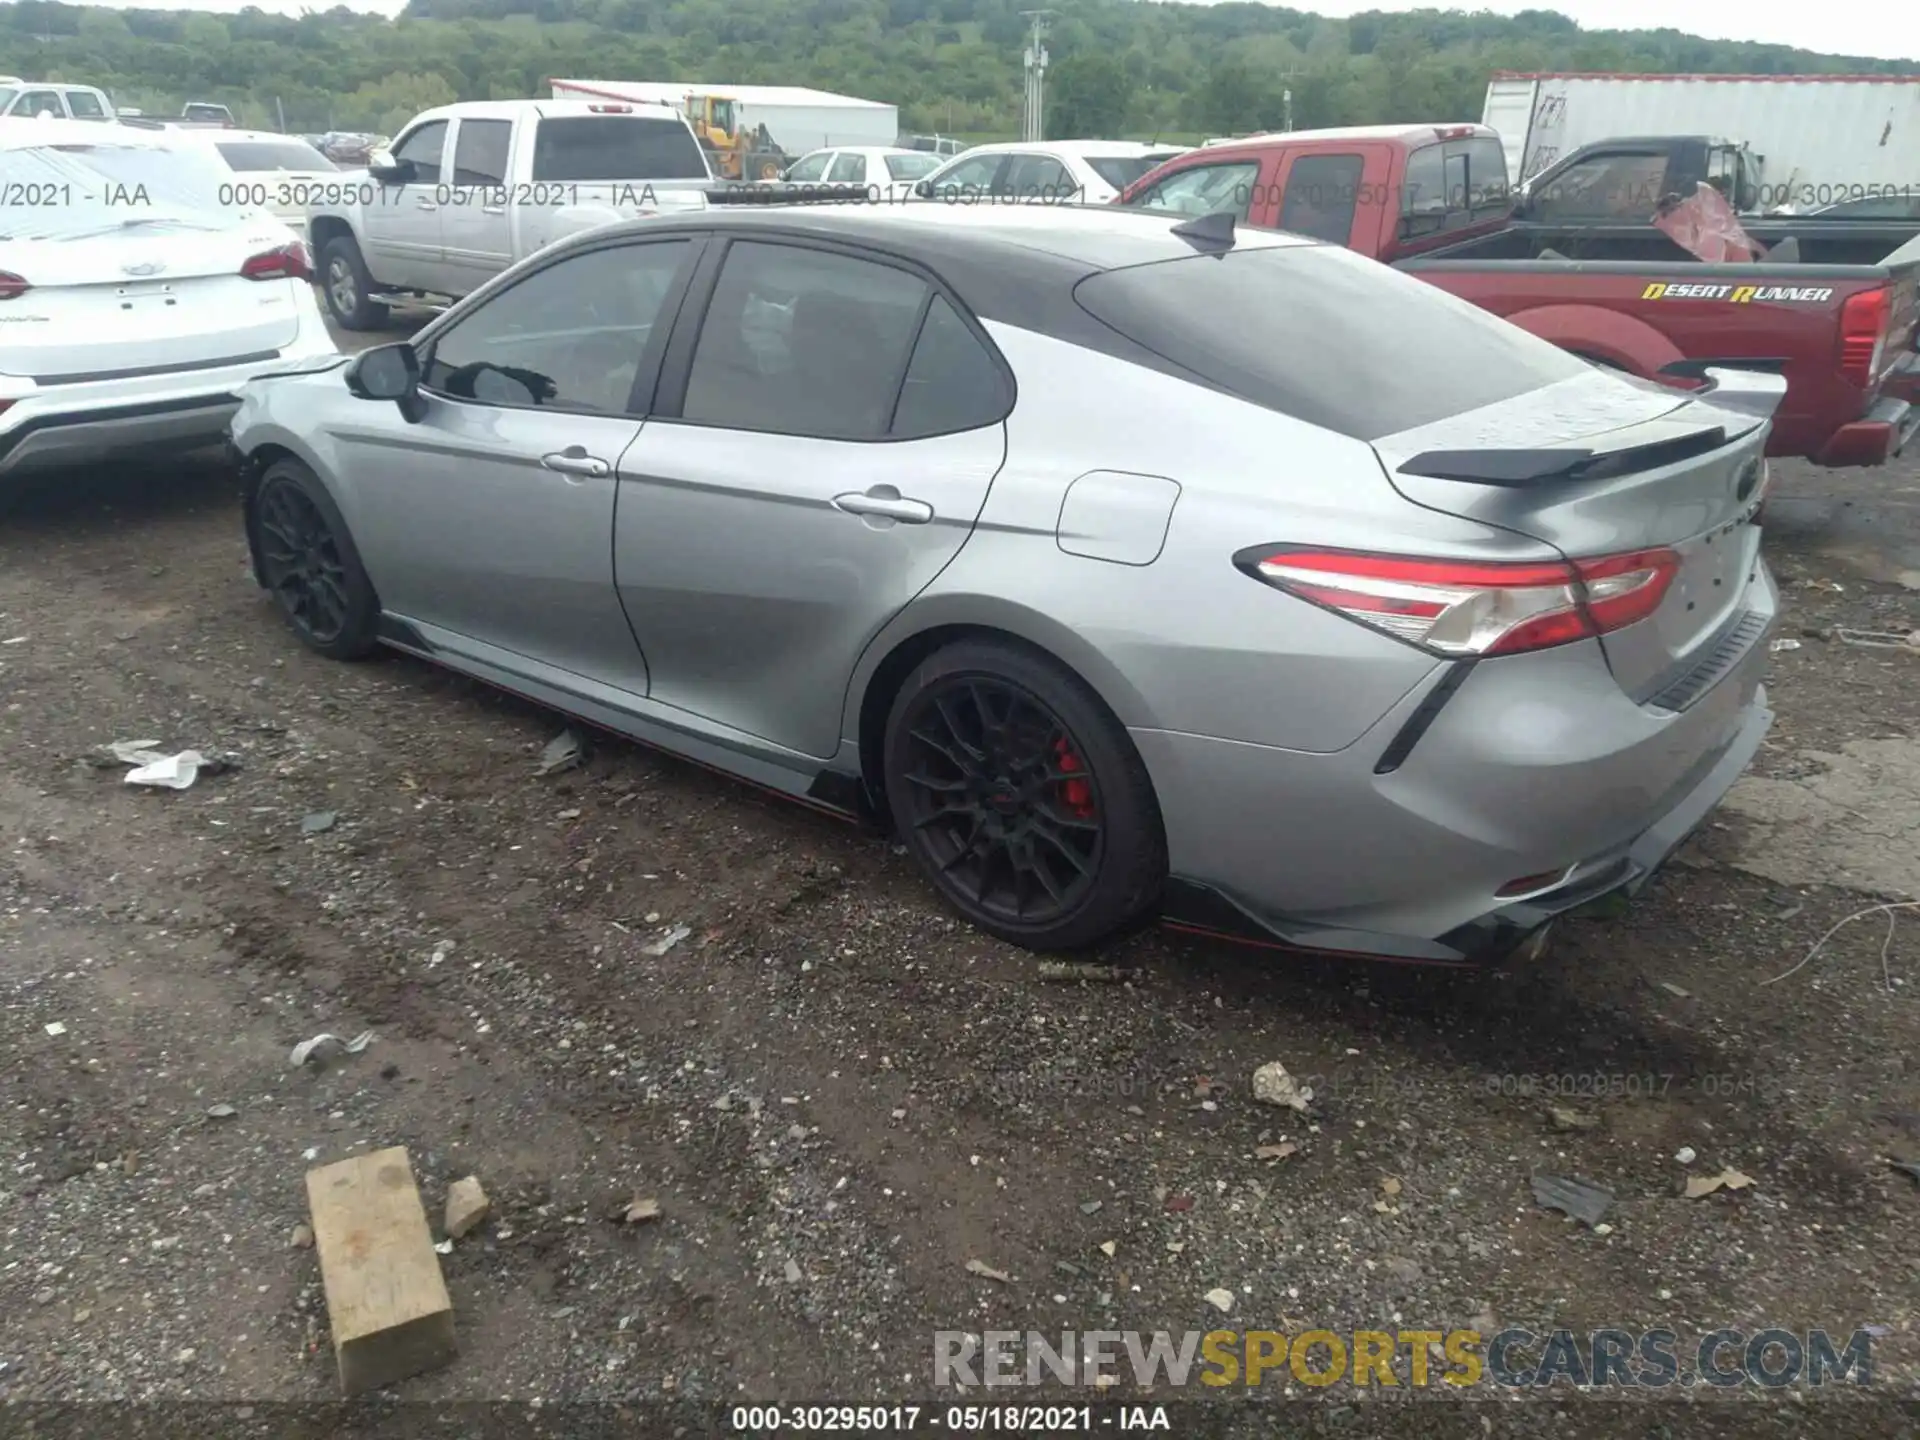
(1124, 564)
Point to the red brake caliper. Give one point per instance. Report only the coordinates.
(1076, 795)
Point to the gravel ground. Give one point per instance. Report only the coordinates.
(839, 1096)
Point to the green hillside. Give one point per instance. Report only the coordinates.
(953, 66)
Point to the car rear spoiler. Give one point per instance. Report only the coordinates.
(1731, 403)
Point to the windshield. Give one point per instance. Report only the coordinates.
(1121, 171)
(7, 92)
(1254, 322)
(205, 112)
(250, 155)
(616, 147)
(68, 190)
(912, 167)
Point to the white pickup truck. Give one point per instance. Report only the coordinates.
(466, 190)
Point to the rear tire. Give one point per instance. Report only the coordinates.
(348, 287)
(1021, 797)
(307, 561)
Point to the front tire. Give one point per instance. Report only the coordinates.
(307, 561)
(1021, 797)
(348, 286)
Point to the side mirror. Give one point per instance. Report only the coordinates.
(389, 372)
(923, 189)
(382, 165)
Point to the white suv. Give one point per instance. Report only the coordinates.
(1083, 172)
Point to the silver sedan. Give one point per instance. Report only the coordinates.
(1123, 563)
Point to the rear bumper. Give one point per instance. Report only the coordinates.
(1887, 429)
(54, 427)
(1495, 935)
(55, 441)
(1536, 767)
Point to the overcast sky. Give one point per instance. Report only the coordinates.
(1883, 28)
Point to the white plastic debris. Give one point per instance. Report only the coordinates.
(55, 1028)
(565, 751)
(1788, 644)
(327, 1046)
(169, 772)
(135, 752)
(667, 941)
(1685, 1155)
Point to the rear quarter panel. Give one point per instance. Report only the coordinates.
(1642, 317)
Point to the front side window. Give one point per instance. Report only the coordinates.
(969, 178)
(85, 105)
(569, 337)
(1204, 190)
(804, 342)
(811, 167)
(40, 102)
(422, 150)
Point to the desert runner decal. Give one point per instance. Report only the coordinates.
(1739, 294)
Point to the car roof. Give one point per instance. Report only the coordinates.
(867, 150)
(34, 133)
(513, 109)
(1093, 237)
(1084, 149)
(1412, 135)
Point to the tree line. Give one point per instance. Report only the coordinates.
(1119, 67)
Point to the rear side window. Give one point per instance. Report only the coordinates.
(480, 152)
(615, 147)
(952, 382)
(297, 155)
(849, 169)
(1452, 185)
(36, 101)
(803, 342)
(1320, 196)
(85, 105)
(1320, 334)
(1120, 171)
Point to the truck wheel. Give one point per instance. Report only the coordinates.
(348, 287)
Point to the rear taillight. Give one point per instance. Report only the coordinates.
(12, 287)
(1455, 608)
(289, 262)
(1863, 334)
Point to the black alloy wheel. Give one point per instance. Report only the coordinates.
(300, 561)
(1022, 797)
(306, 560)
(1008, 808)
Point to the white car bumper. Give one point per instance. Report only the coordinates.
(54, 426)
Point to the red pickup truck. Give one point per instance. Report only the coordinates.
(1433, 200)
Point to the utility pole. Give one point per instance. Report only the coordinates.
(1033, 122)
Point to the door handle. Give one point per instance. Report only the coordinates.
(428, 205)
(493, 209)
(575, 461)
(884, 502)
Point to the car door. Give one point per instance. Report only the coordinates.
(849, 168)
(40, 102)
(810, 169)
(1320, 193)
(817, 456)
(491, 518)
(404, 245)
(967, 180)
(1033, 179)
(474, 228)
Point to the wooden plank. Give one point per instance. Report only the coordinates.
(387, 1303)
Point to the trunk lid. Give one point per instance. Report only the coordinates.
(145, 296)
(1602, 464)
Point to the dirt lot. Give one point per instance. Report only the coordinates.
(838, 1095)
